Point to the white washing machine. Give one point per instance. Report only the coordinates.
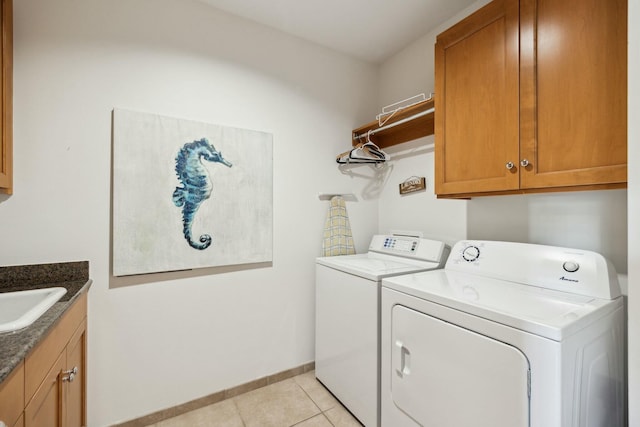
(506, 335)
(348, 316)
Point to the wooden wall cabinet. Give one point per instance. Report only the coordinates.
(51, 384)
(531, 96)
(6, 96)
(55, 381)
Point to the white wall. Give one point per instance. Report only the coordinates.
(444, 220)
(593, 220)
(634, 213)
(159, 340)
(408, 73)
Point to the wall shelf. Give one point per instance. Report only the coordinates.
(400, 127)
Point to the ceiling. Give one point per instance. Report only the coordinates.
(371, 30)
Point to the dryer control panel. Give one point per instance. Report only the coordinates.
(569, 270)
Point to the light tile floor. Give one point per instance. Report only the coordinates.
(300, 401)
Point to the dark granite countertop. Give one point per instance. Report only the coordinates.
(74, 276)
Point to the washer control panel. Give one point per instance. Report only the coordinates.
(410, 247)
(563, 269)
(401, 245)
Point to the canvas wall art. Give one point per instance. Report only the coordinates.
(188, 194)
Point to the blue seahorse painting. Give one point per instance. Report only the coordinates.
(196, 184)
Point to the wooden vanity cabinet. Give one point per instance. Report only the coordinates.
(6, 96)
(531, 96)
(48, 389)
(58, 400)
(12, 398)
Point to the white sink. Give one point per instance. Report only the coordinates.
(20, 309)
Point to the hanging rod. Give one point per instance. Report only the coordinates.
(399, 122)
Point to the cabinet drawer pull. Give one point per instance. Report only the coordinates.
(70, 374)
(524, 163)
(510, 165)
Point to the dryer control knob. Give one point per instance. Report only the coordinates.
(570, 266)
(470, 253)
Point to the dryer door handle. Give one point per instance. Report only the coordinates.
(401, 359)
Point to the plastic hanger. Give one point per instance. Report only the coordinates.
(367, 152)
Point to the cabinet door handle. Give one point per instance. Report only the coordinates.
(524, 163)
(510, 165)
(70, 374)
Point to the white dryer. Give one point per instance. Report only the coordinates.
(506, 335)
(348, 316)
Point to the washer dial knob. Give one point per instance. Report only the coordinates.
(570, 266)
(470, 253)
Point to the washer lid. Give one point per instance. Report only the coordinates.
(374, 266)
(548, 313)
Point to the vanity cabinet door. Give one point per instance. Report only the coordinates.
(60, 398)
(45, 408)
(75, 389)
(12, 398)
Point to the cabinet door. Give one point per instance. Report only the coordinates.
(6, 95)
(20, 422)
(476, 101)
(574, 92)
(74, 390)
(12, 396)
(45, 408)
